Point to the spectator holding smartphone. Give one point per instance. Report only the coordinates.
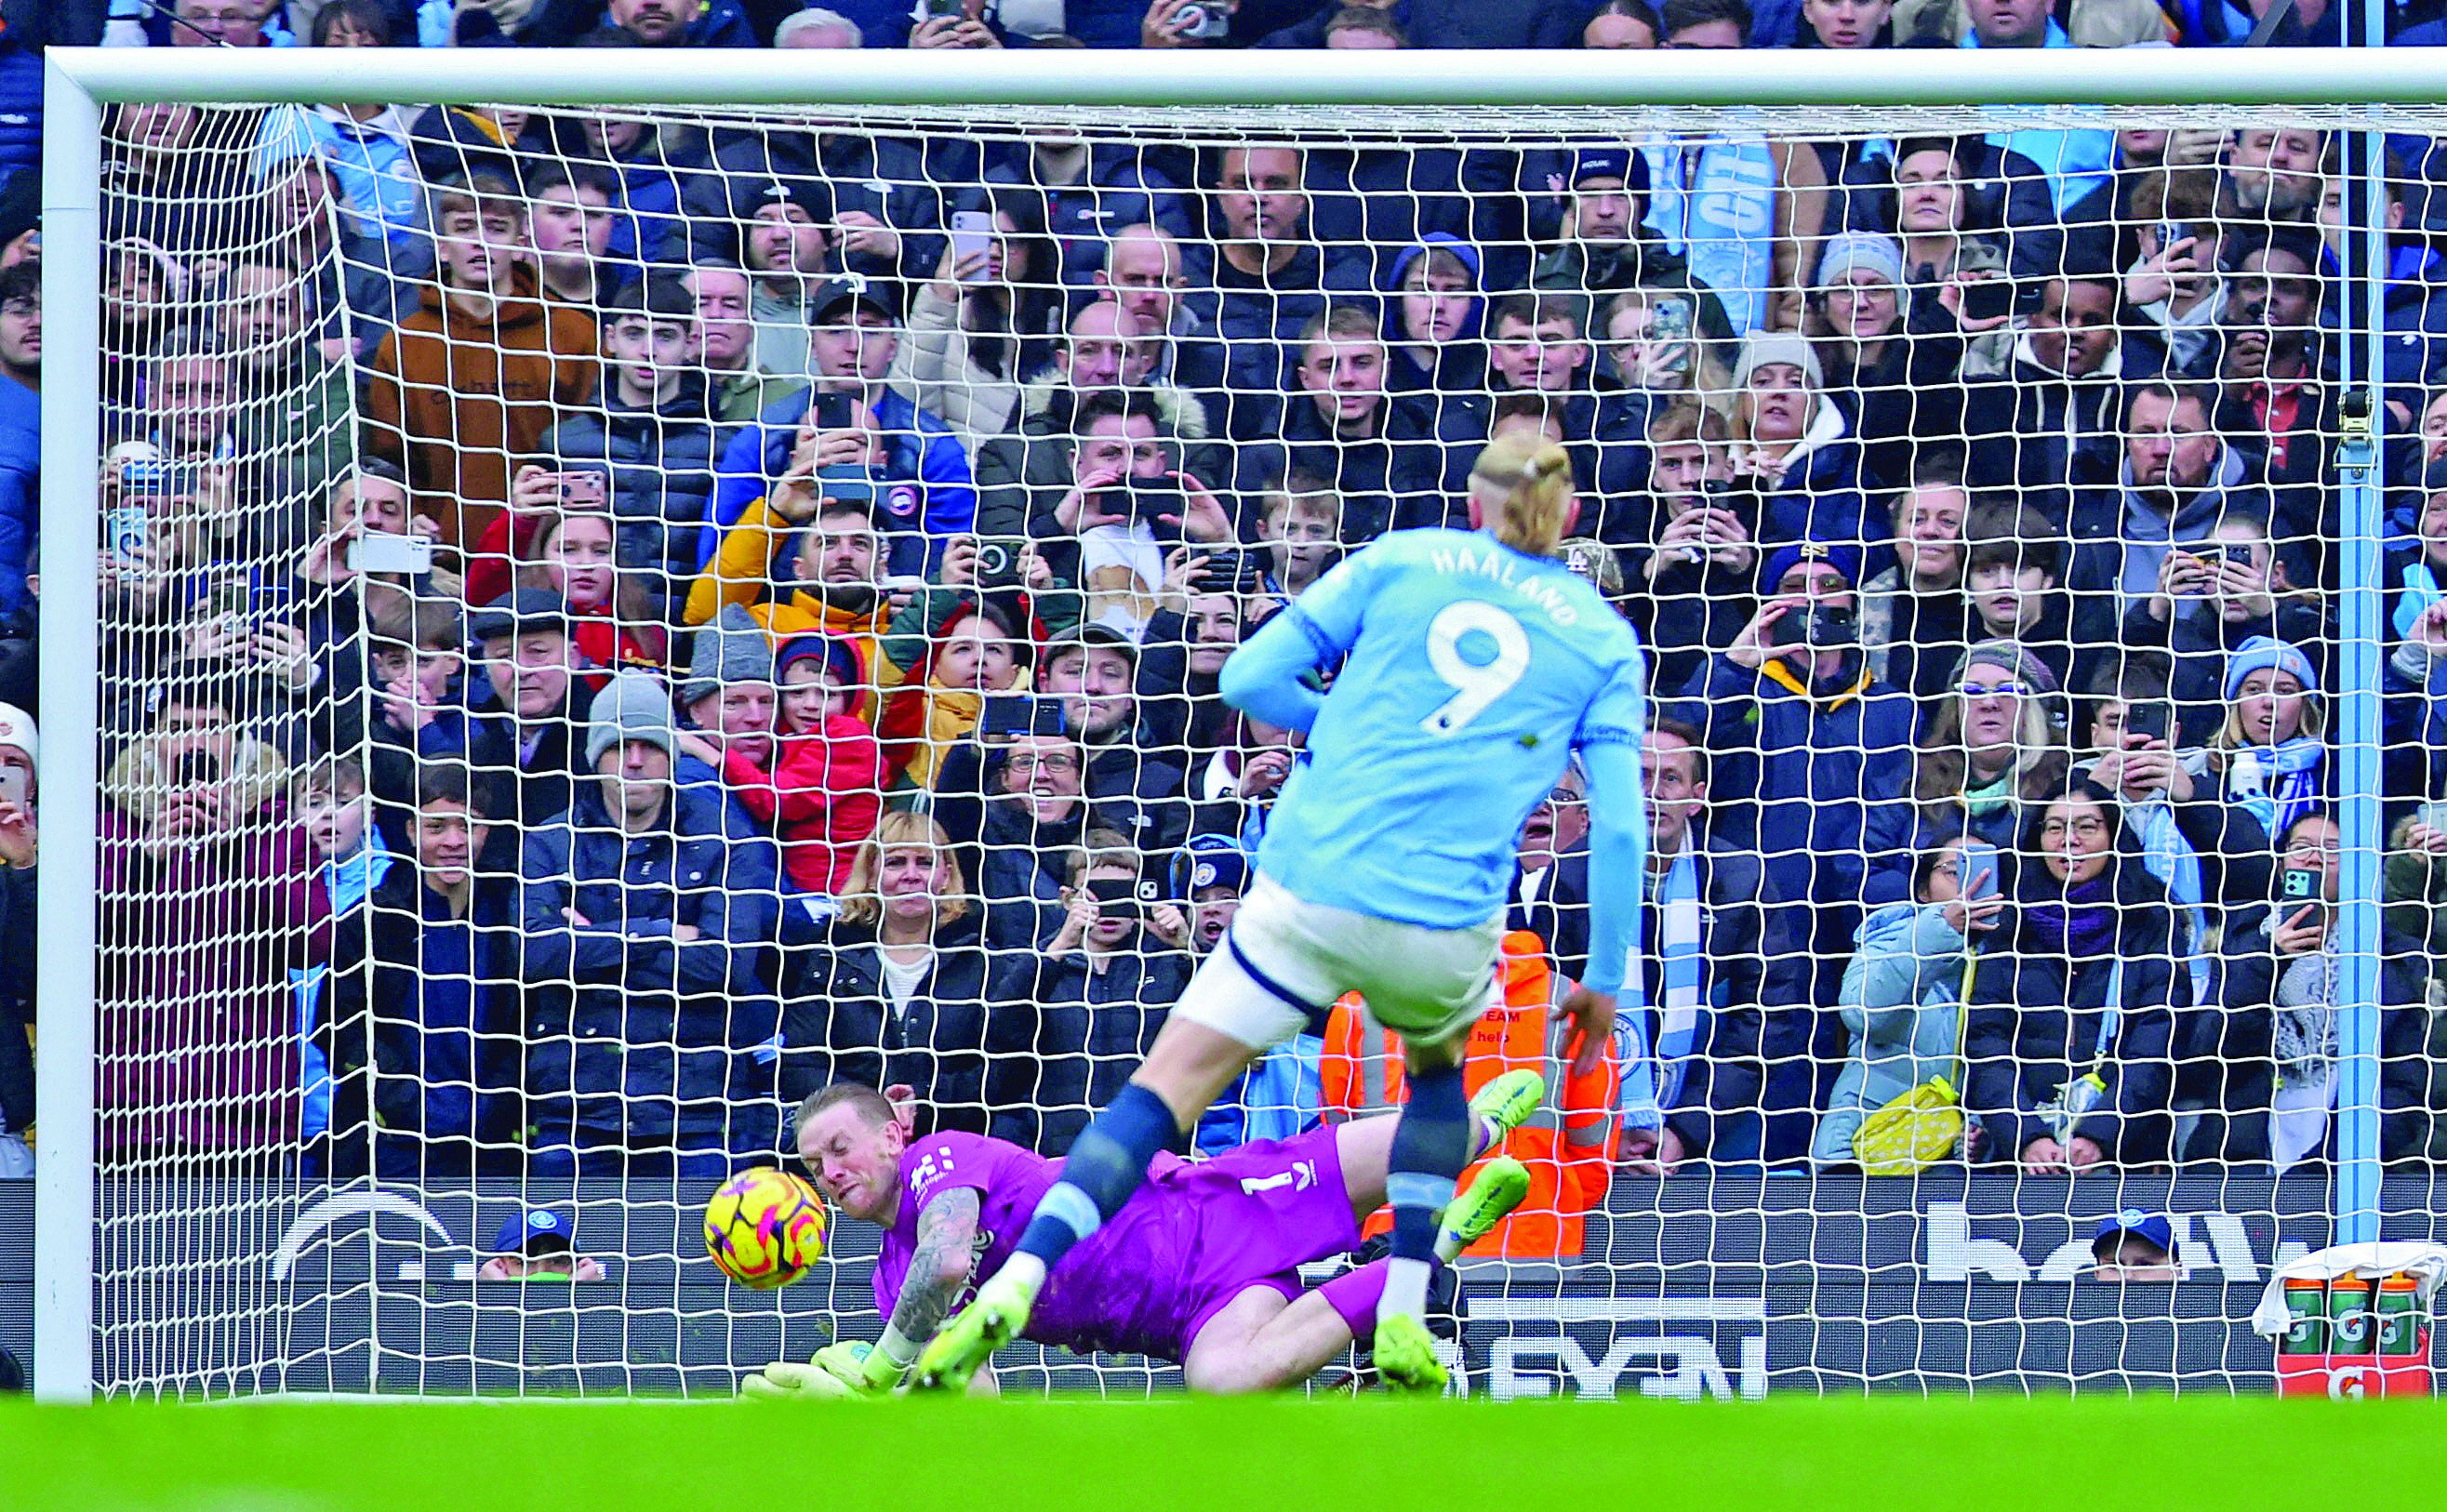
(987, 320)
(2068, 1041)
(1081, 1016)
(1128, 502)
(854, 416)
(216, 908)
(2274, 1048)
(2215, 595)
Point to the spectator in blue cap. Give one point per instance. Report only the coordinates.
(1806, 749)
(2270, 754)
(2136, 1245)
(538, 1245)
(1214, 872)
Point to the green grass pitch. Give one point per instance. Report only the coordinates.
(1270, 1455)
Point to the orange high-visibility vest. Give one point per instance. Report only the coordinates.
(1568, 1143)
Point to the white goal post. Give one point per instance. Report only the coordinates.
(2349, 90)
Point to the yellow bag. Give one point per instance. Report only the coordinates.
(1911, 1133)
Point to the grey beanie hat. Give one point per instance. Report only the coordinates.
(630, 707)
(2013, 656)
(734, 649)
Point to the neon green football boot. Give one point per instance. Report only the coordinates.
(993, 1319)
(1506, 1103)
(1406, 1359)
(1497, 1189)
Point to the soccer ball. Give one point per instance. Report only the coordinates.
(765, 1227)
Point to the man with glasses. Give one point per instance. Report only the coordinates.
(2179, 478)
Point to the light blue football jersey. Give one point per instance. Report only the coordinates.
(1472, 673)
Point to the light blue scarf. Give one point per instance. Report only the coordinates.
(2277, 785)
(2169, 856)
(1653, 1076)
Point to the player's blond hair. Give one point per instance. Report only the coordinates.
(1525, 481)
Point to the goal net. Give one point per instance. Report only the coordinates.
(613, 619)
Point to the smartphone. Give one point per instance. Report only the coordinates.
(2239, 553)
(194, 770)
(271, 601)
(581, 488)
(937, 9)
(1234, 570)
(124, 528)
(1976, 865)
(1987, 298)
(1821, 626)
(999, 560)
(1669, 320)
(2149, 721)
(12, 785)
(1008, 714)
(1117, 896)
(1150, 498)
(143, 477)
(382, 552)
(2301, 884)
(972, 234)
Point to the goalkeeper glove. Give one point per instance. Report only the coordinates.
(842, 1372)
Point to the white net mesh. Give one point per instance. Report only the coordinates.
(617, 620)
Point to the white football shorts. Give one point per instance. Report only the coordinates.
(1285, 961)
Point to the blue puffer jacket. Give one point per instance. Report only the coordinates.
(1797, 778)
(919, 448)
(637, 1037)
(662, 471)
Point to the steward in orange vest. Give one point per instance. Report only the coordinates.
(1569, 1144)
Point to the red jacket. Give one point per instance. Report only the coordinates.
(824, 796)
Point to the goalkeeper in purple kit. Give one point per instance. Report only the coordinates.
(1473, 665)
(1201, 1267)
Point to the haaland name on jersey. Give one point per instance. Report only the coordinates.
(1494, 562)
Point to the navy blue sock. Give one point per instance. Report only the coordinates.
(1106, 1165)
(1430, 1146)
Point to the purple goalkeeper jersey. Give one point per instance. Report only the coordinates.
(1191, 1240)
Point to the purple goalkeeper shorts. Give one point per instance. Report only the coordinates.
(1254, 1216)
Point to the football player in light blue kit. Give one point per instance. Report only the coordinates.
(1474, 666)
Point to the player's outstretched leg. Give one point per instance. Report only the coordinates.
(1261, 1344)
(1188, 1067)
(1432, 1143)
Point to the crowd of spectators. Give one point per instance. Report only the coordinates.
(612, 621)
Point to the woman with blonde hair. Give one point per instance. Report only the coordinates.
(895, 990)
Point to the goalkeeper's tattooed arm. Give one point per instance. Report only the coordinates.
(940, 1267)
